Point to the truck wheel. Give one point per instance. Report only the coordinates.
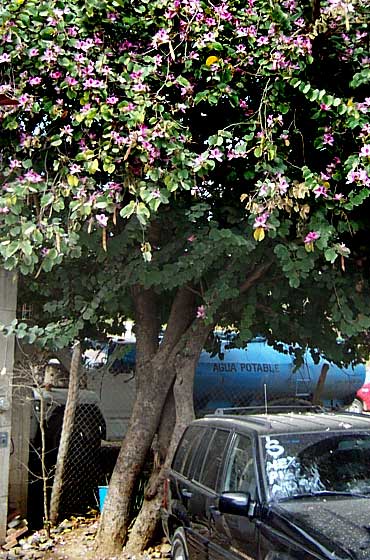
(179, 549)
(356, 406)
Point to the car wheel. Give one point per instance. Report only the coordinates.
(179, 549)
(356, 406)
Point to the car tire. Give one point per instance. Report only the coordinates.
(179, 549)
(356, 406)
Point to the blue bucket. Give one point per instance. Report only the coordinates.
(102, 494)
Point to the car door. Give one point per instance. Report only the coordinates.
(235, 536)
(202, 493)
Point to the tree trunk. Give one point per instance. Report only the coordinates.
(155, 373)
(185, 361)
(68, 421)
(152, 390)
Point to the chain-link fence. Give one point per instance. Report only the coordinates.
(105, 406)
(84, 468)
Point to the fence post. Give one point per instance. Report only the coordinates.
(68, 421)
(8, 303)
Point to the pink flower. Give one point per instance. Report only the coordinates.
(191, 238)
(14, 163)
(112, 100)
(71, 81)
(201, 312)
(4, 57)
(32, 177)
(320, 191)
(161, 37)
(311, 237)
(74, 169)
(365, 151)
(56, 75)
(35, 81)
(102, 220)
(260, 221)
(216, 154)
(72, 31)
(66, 130)
(328, 139)
(91, 83)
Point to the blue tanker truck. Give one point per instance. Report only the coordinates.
(259, 375)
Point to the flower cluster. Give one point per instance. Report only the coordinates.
(118, 112)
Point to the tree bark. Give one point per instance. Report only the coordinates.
(67, 428)
(65, 358)
(152, 389)
(155, 374)
(185, 361)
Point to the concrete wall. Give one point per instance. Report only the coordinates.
(8, 304)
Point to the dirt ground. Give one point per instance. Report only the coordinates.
(73, 539)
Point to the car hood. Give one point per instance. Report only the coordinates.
(339, 526)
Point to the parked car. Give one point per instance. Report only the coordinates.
(361, 402)
(286, 486)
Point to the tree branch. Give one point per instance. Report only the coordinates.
(254, 276)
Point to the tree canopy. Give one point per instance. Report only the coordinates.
(188, 142)
(202, 162)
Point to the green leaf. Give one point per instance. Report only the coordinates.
(295, 82)
(55, 140)
(361, 78)
(128, 210)
(92, 166)
(330, 254)
(47, 199)
(11, 249)
(26, 247)
(294, 281)
(143, 213)
(183, 81)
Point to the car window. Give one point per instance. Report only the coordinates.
(181, 460)
(301, 464)
(197, 465)
(191, 457)
(240, 472)
(214, 459)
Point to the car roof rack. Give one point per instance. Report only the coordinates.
(269, 409)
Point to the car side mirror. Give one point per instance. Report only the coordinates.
(235, 503)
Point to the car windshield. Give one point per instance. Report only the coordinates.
(300, 465)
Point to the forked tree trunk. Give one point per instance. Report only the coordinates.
(185, 363)
(154, 378)
(155, 374)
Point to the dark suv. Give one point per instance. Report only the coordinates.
(271, 487)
